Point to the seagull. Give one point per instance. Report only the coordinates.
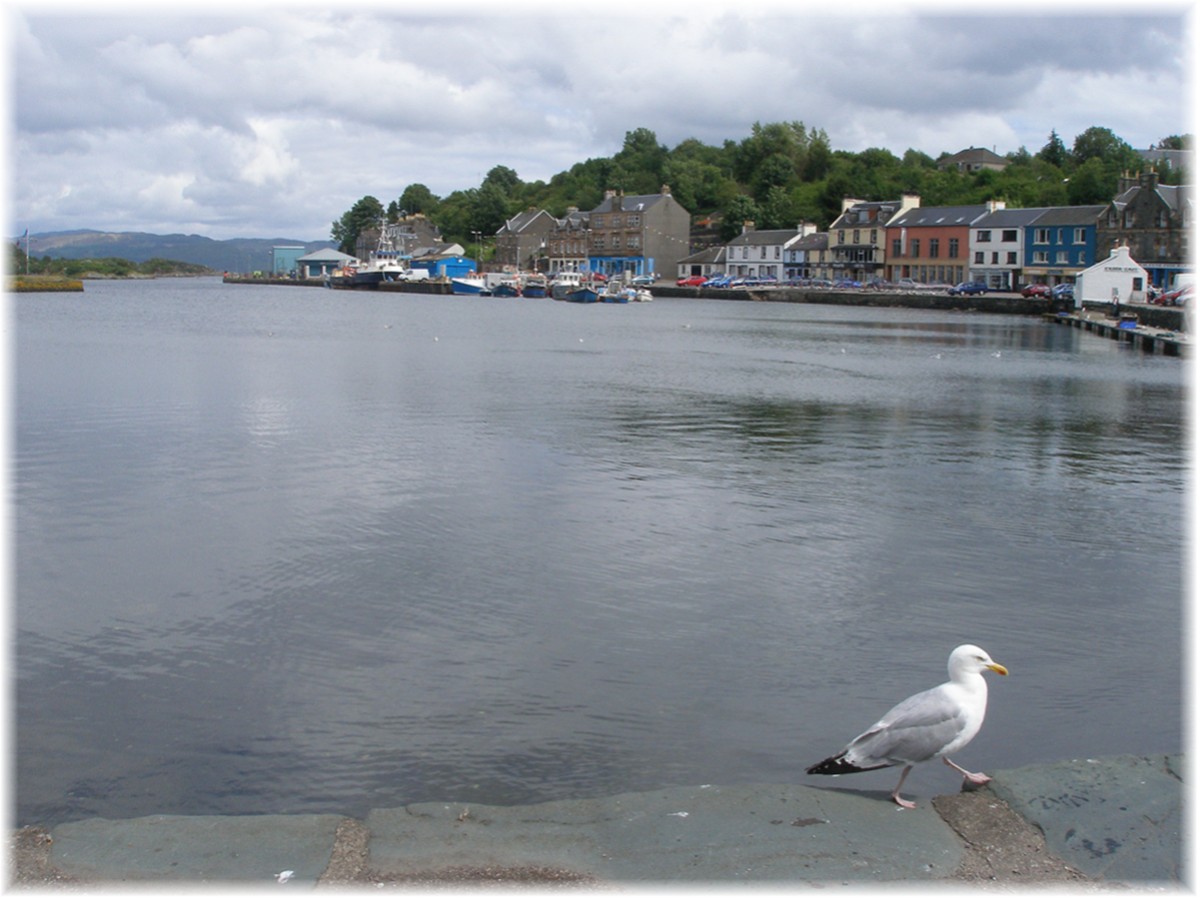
(929, 725)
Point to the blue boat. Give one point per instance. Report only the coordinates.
(583, 294)
(468, 284)
(535, 286)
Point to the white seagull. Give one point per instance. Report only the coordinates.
(928, 725)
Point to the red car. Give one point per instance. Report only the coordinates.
(691, 281)
(1036, 290)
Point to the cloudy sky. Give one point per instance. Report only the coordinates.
(247, 120)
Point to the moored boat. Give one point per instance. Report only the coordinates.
(583, 294)
(534, 286)
(468, 284)
(565, 282)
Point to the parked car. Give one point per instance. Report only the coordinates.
(968, 287)
(847, 283)
(1063, 292)
(1036, 290)
(1178, 297)
(691, 281)
(908, 284)
(642, 280)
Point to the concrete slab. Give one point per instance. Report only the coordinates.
(196, 849)
(1118, 818)
(708, 834)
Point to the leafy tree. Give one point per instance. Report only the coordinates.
(418, 199)
(503, 179)
(742, 209)
(365, 214)
(1090, 183)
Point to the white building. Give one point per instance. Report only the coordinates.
(761, 253)
(1118, 279)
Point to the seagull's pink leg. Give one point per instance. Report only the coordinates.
(973, 777)
(900, 801)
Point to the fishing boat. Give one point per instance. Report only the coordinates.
(468, 284)
(508, 286)
(534, 286)
(565, 282)
(583, 294)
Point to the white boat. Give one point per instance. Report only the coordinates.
(468, 284)
(564, 283)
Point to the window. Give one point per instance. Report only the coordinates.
(995, 257)
(841, 237)
(634, 221)
(777, 251)
(874, 237)
(916, 247)
(1060, 258)
(1081, 235)
(934, 248)
(1041, 257)
(979, 257)
(1041, 235)
(1012, 258)
(954, 248)
(897, 247)
(1009, 235)
(983, 236)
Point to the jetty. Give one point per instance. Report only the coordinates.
(1128, 324)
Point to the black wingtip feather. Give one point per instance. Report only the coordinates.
(837, 765)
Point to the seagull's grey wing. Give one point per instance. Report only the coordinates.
(913, 731)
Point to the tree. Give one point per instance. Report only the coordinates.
(741, 209)
(365, 214)
(503, 179)
(1055, 151)
(1100, 143)
(418, 199)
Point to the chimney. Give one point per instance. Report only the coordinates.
(848, 202)
(747, 226)
(665, 190)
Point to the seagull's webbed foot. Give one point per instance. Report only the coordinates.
(900, 801)
(972, 777)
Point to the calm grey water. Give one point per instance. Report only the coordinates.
(293, 550)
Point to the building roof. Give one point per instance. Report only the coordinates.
(769, 237)
(707, 255)
(325, 254)
(816, 241)
(1070, 215)
(523, 220)
(874, 209)
(938, 216)
(973, 157)
(615, 202)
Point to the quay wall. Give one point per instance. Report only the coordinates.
(1167, 317)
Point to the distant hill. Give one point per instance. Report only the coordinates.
(234, 255)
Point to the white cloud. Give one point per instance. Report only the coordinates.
(275, 121)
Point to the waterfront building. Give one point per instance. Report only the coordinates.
(808, 258)
(707, 262)
(567, 243)
(931, 244)
(760, 254)
(857, 237)
(322, 262)
(521, 242)
(283, 259)
(1154, 221)
(1059, 243)
(638, 234)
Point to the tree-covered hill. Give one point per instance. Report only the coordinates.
(782, 173)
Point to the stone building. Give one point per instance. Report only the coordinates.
(1153, 220)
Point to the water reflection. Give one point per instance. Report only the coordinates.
(342, 566)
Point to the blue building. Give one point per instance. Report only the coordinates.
(1060, 243)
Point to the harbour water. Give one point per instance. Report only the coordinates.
(313, 551)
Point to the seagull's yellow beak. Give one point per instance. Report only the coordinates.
(997, 668)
